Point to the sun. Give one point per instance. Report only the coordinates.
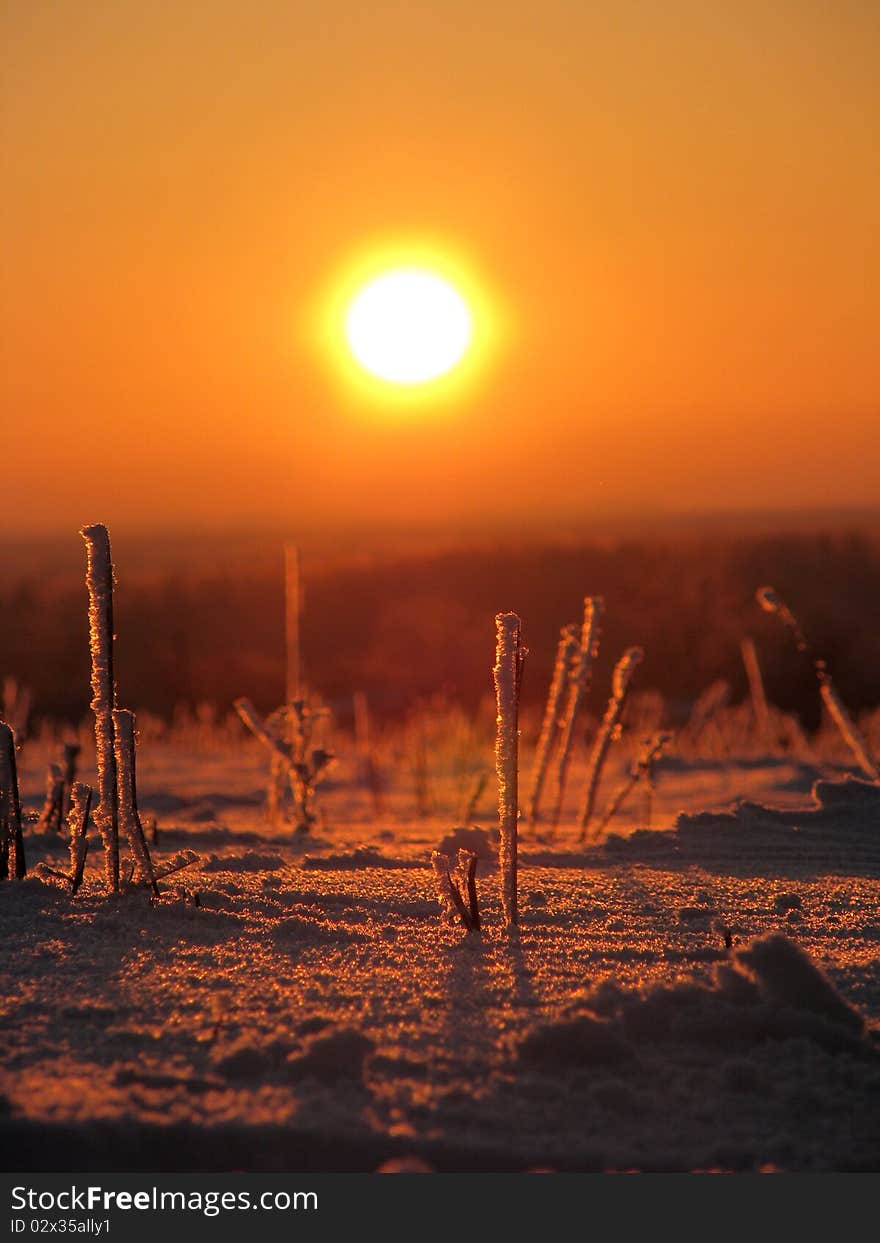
(408, 326)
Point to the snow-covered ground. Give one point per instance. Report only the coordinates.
(300, 1003)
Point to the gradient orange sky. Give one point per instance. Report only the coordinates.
(672, 205)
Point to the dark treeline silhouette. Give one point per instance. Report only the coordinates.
(415, 626)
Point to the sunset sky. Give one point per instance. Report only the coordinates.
(667, 210)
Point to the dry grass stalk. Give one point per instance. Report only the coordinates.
(771, 602)
(99, 581)
(123, 723)
(418, 747)
(509, 656)
(479, 789)
(849, 731)
(620, 684)
(578, 686)
(566, 654)
(12, 858)
(292, 613)
(77, 823)
(183, 859)
(304, 764)
(70, 755)
(642, 770)
(51, 817)
(363, 745)
(760, 711)
(308, 764)
(457, 890)
(16, 708)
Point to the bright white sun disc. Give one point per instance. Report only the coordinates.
(408, 326)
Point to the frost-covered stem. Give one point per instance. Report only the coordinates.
(752, 665)
(566, 653)
(12, 863)
(280, 751)
(457, 893)
(467, 871)
(507, 672)
(77, 822)
(68, 771)
(643, 769)
(51, 815)
(99, 580)
(620, 684)
(578, 684)
(252, 720)
(849, 731)
(123, 722)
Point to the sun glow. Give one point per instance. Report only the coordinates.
(408, 326)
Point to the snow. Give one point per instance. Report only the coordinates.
(299, 1001)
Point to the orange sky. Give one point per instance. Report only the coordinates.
(672, 205)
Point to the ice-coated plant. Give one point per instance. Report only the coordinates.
(578, 685)
(507, 673)
(641, 771)
(457, 887)
(77, 823)
(12, 858)
(129, 820)
(51, 817)
(771, 602)
(59, 786)
(566, 654)
(305, 765)
(99, 581)
(620, 683)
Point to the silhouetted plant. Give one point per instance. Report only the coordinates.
(12, 857)
(51, 816)
(771, 602)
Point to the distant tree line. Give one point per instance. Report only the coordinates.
(413, 626)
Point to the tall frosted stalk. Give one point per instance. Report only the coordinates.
(620, 684)
(509, 654)
(566, 654)
(123, 723)
(12, 860)
(99, 581)
(578, 684)
(77, 822)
